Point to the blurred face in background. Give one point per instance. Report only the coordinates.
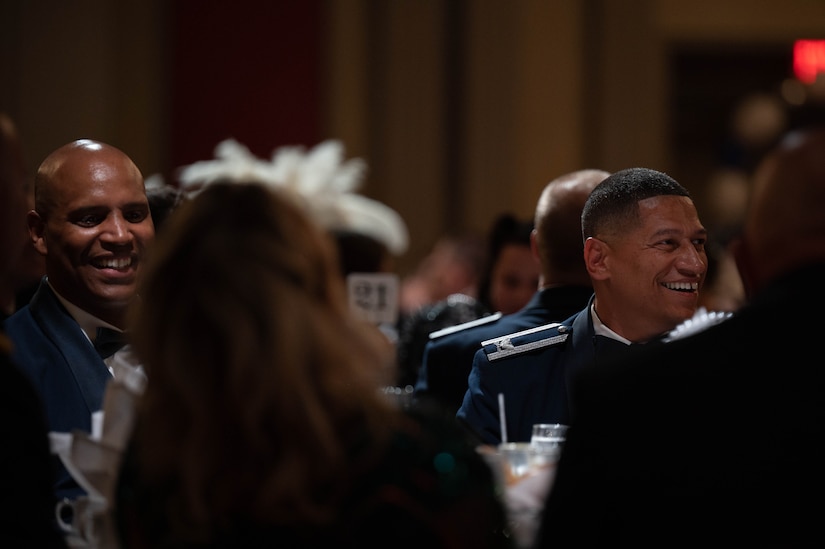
(514, 278)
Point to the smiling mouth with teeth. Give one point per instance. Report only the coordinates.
(682, 286)
(114, 263)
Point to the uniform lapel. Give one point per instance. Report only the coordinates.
(79, 354)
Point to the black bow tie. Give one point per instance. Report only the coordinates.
(108, 342)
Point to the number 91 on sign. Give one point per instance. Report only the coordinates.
(374, 296)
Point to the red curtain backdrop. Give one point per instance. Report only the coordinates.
(247, 69)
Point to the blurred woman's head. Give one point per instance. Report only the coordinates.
(252, 354)
(512, 275)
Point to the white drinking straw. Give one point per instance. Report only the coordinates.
(501, 418)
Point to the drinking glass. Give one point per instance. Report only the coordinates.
(516, 461)
(549, 436)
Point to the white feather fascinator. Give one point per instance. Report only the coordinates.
(319, 180)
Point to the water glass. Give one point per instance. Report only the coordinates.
(548, 436)
(516, 461)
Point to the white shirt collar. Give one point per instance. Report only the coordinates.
(600, 329)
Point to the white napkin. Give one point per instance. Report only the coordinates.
(93, 458)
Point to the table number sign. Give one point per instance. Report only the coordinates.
(374, 296)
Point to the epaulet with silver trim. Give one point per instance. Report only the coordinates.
(504, 346)
(464, 325)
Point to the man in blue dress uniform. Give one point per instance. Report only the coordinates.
(564, 288)
(644, 250)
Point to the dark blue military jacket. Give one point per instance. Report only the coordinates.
(448, 356)
(532, 369)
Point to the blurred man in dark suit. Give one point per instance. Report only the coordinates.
(27, 500)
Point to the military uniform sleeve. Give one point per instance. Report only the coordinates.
(479, 411)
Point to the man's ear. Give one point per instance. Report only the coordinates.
(534, 245)
(36, 229)
(595, 254)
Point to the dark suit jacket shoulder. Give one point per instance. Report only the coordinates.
(68, 374)
(52, 350)
(714, 436)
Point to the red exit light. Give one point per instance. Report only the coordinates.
(808, 59)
